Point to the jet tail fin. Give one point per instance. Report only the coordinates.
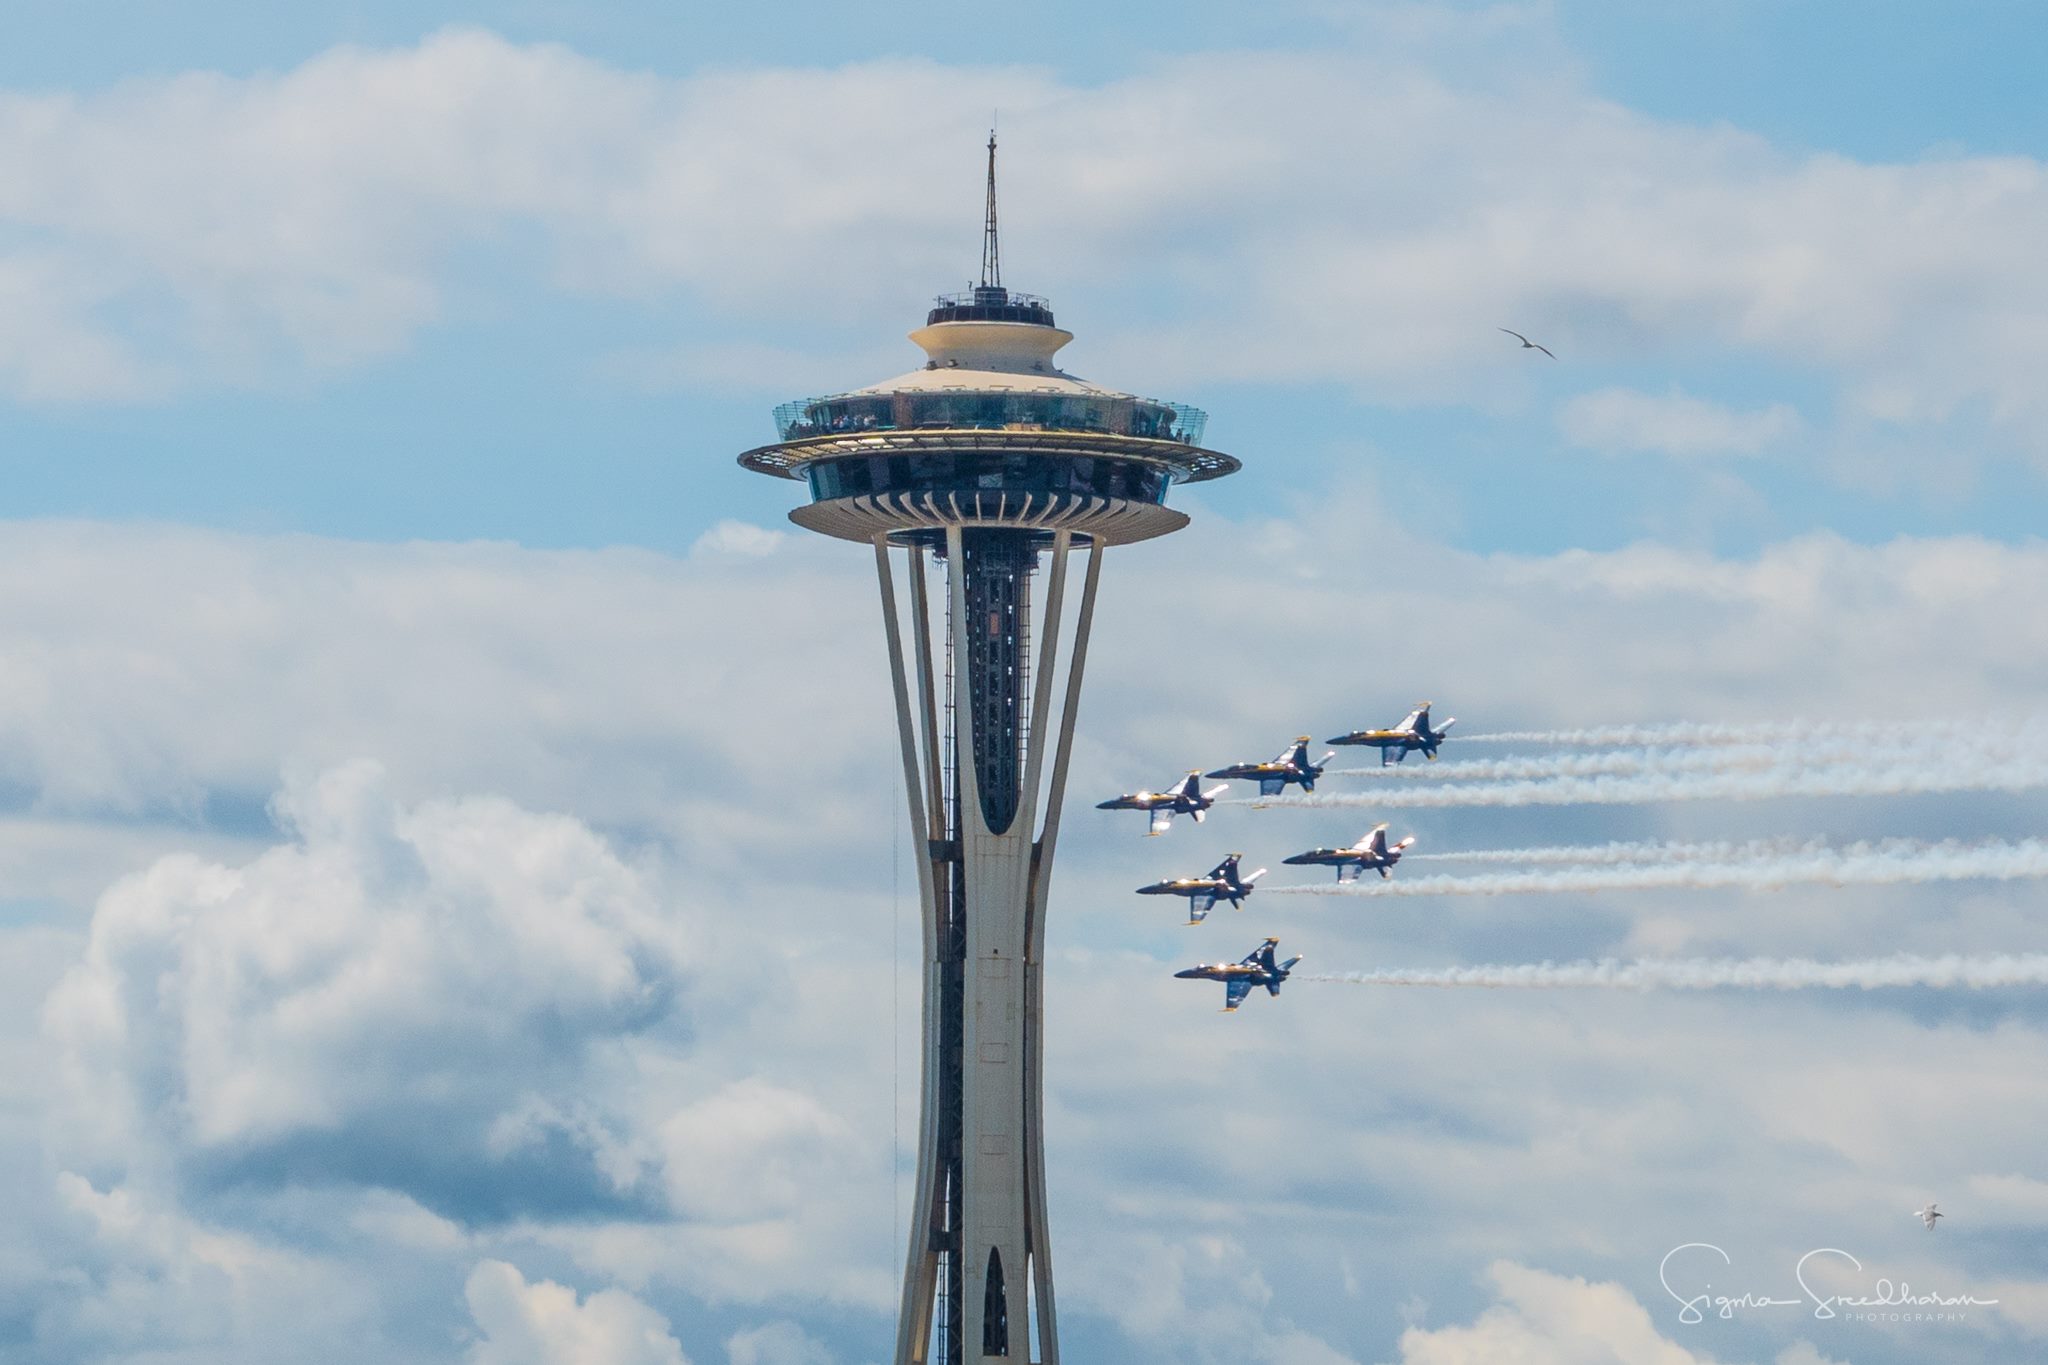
(1280, 971)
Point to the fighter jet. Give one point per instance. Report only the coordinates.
(1928, 1215)
(1256, 969)
(1291, 766)
(1412, 733)
(1371, 851)
(1220, 882)
(1185, 799)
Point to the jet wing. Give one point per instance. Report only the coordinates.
(1199, 906)
(1162, 819)
(1272, 786)
(1234, 992)
(1348, 872)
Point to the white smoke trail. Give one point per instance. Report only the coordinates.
(1894, 862)
(1932, 742)
(1624, 763)
(1985, 760)
(1600, 855)
(1682, 732)
(1783, 974)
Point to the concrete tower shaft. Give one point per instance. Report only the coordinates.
(995, 466)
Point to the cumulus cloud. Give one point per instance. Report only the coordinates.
(1540, 1318)
(544, 1323)
(740, 540)
(1615, 421)
(371, 1003)
(241, 1025)
(169, 673)
(1545, 1319)
(776, 1343)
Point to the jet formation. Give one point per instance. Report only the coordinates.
(1372, 851)
(1413, 733)
(1220, 882)
(1292, 766)
(1256, 968)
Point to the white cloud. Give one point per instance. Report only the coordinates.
(776, 1343)
(1616, 420)
(747, 1150)
(2009, 1199)
(1546, 1319)
(1370, 216)
(368, 1002)
(1805, 1353)
(543, 1323)
(147, 1282)
(2024, 1303)
(168, 673)
(740, 540)
(238, 1021)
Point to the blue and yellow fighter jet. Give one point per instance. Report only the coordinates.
(1186, 798)
(1219, 883)
(1256, 969)
(1291, 766)
(1371, 851)
(1414, 732)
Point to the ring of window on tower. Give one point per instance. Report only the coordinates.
(987, 471)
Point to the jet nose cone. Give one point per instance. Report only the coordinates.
(1188, 975)
(1298, 860)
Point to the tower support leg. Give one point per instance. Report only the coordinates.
(978, 1251)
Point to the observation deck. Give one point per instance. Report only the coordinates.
(989, 433)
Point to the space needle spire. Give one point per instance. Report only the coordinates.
(983, 480)
(991, 253)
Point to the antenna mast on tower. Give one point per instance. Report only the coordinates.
(991, 256)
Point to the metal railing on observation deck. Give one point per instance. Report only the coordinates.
(991, 303)
(998, 410)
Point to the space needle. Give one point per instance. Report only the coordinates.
(977, 471)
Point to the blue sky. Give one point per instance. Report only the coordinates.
(515, 382)
(406, 947)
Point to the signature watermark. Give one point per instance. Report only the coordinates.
(1887, 1301)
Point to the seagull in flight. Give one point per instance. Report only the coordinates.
(1928, 1215)
(1527, 344)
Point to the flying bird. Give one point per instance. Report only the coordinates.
(1527, 344)
(1928, 1215)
